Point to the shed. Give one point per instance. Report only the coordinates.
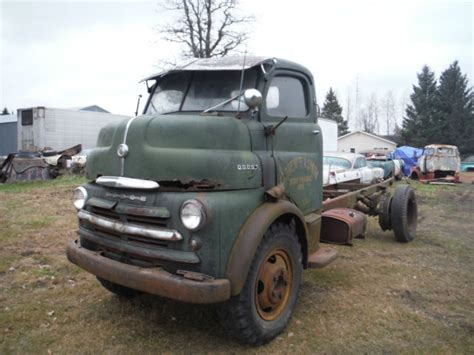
(358, 141)
(8, 136)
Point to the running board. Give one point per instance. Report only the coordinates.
(322, 258)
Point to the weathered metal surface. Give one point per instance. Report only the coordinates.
(322, 258)
(341, 225)
(25, 169)
(348, 195)
(313, 224)
(171, 153)
(225, 63)
(276, 192)
(150, 280)
(136, 249)
(156, 212)
(438, 163)
(128, 228)
(275, 277)
(252, 233)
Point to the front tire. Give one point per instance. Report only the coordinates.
(264, 306)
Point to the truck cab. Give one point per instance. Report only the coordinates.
(214, 194)
(438, 162)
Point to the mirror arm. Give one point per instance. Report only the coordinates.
(270, 130)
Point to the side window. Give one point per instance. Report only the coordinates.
(286, 97)
(360, 163)
(27, 117)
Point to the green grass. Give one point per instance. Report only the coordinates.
(25, 186)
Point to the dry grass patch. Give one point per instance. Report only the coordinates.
(379, 296)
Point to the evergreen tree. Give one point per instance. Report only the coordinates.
(5, 112)
(418, 129)
(333, 111)
(454, 119)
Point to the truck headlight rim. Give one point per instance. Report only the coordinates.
(79, 197)
(193, 214)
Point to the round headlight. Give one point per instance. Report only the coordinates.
(79, 197)
(193, 214)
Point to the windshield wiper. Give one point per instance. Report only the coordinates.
(221, 103)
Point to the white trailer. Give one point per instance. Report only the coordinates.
(58, 129)
(329, 131)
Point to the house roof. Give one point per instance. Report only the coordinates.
(94, 108)
(8, 118)
(367, 134)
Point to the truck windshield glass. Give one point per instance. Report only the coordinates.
(197, 91)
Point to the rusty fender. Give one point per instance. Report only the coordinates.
(252, 233)
(151, 280)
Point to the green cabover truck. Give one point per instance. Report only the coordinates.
(215, 195)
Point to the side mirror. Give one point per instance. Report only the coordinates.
(253, 98)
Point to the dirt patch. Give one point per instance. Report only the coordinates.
(467, 177)
(379, 296)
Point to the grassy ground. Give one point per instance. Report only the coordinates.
(379, 296)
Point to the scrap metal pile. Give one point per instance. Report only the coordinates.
(43, 165)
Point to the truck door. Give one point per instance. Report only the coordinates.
(296, 145)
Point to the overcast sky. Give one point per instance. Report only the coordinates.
(76, 53)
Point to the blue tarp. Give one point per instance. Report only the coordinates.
(409, 155)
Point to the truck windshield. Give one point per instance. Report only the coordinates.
(198, 91)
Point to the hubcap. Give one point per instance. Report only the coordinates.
(273, 284)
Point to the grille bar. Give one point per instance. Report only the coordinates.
(129, 228)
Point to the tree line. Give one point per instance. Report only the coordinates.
(439, 112)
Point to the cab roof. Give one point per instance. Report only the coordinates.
(231, 63)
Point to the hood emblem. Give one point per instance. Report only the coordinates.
(122, 150)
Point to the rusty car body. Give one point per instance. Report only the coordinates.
(439, 162)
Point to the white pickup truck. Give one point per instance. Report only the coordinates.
(348, 167)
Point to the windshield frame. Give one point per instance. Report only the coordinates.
(251, 80)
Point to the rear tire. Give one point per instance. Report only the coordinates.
(119, 290)
(404, 213)
(265, 305)
(384, 212)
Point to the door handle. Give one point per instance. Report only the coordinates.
(315, 131)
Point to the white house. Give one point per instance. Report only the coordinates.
(358, 141)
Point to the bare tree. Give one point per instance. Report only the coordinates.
(389, 111)
(349, 105)
(207, 28)
(358, 111)
(370, 115)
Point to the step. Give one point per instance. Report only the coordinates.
(322, 258)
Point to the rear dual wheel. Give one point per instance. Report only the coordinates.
(264, 306)
(404, 213)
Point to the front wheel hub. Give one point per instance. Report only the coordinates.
(273, 284)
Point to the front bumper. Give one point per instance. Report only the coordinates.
(150, 280)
